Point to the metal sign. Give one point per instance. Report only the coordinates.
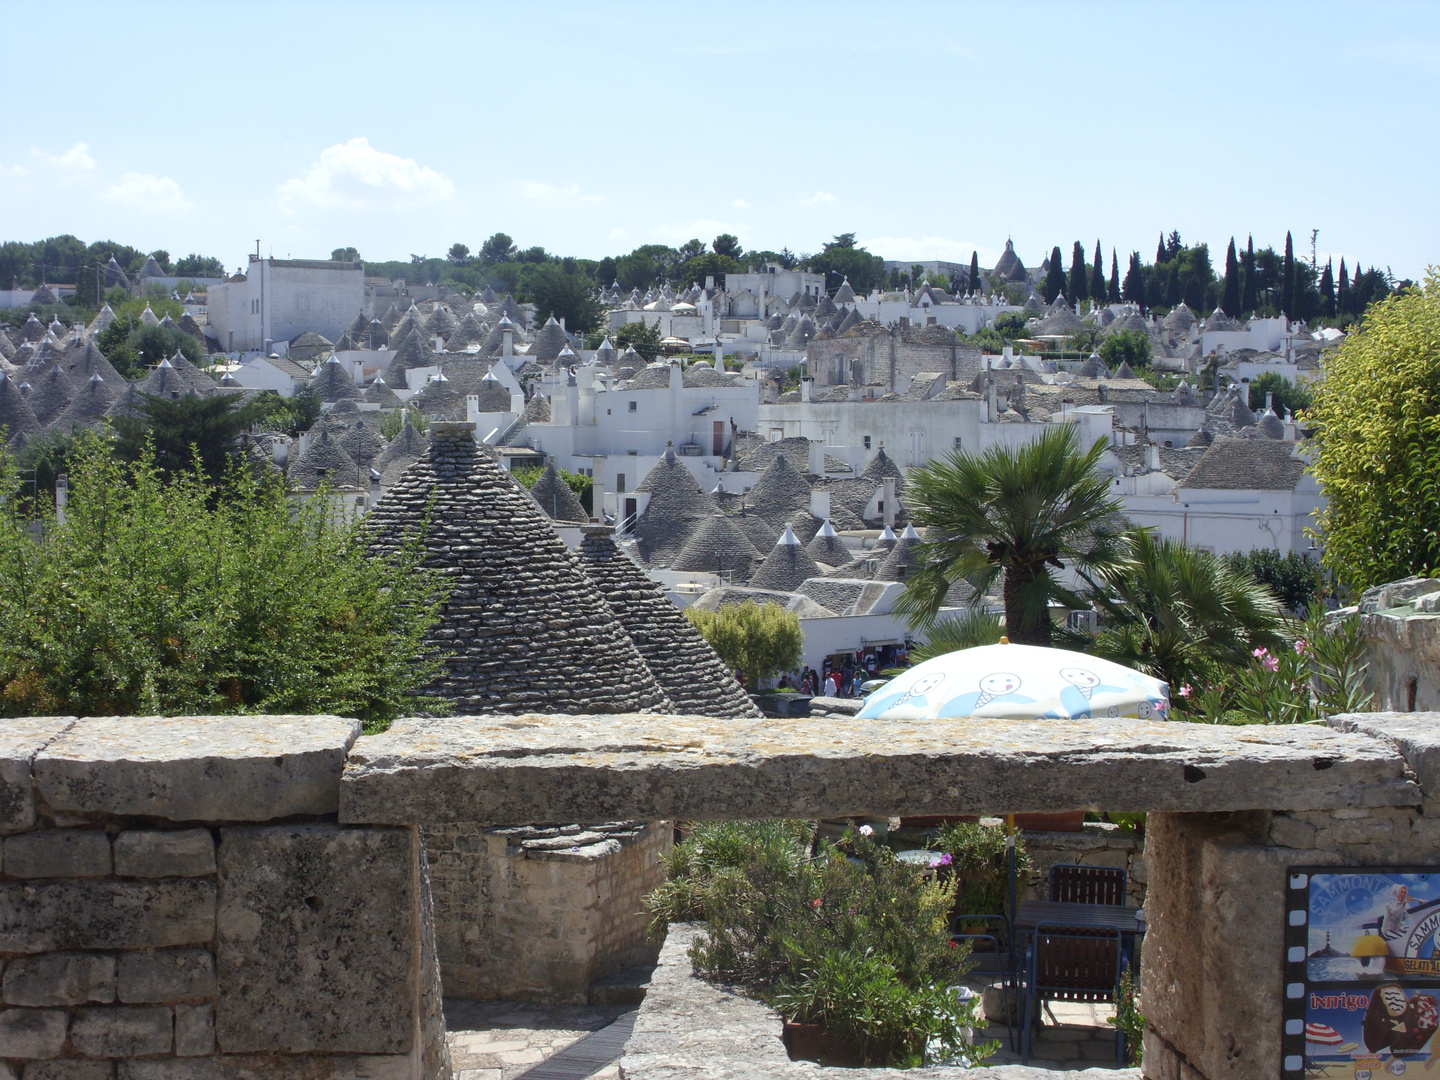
(1362, 973)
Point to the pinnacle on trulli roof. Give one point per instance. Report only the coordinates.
(828, 548)
(557, 498)
(786, 565)
(148, 317)
(686, 667)
(523, 629)
(886, 540)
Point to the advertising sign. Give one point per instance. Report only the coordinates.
(1362, 973)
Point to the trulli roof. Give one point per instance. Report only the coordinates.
(556, 497)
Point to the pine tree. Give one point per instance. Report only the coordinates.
(1054, 277)
(1230, 303)
(1247, 296)
(1343, 298)
(1327, 291)
(1097, 278)
(1287, 279)
(1079, 275)
(1135, 282)
(1113, 294)
(1160, 250)
(974, 271)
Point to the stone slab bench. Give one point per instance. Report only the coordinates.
(589, 768)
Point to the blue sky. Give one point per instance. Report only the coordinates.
(591, 128)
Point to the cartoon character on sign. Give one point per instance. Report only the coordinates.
(914, 695)
(997, 686)
(1397, 1023)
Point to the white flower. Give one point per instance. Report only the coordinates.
(866, 830)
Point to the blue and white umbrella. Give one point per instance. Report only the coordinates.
(1017, 682)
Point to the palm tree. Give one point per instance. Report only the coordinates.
(1021, 513)
(976, 626)
(1176, 612)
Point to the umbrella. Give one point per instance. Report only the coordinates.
(1017, 682)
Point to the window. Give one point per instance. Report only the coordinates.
(633, 405)
(620, 482)
(958, 443)
(867, 442)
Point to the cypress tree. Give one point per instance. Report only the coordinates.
(1054, 276)
(1135, 282)
(1097, 278)
(1287, 279)
(1230, 302)
(1343, 298)
(1172, 285)
(1113, 295)
(1160, 254)
(1327, 291)
(974, 271)
(1079, 275)
(1247, 296)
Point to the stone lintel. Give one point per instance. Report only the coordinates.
(197, 768)
(1415, 735)
(506, 769)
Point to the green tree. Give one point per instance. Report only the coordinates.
(178, 435)
(1126, 346)
(1343, 296)
(974, 282)
(1097, 278)
(458, 254)
(1292, 580)
(1287, 281)
(1017, 514)
(757, 640)
(696, 270)
(161, 256)
(1079, 279)
(180, 598)
(194, 265)
(1376, 419)
(727, 245)
(1135, 282)
(1054, 276)
(644, 337)
(499, 248)
(1230, 304)
(1112, 294)
(1177, 612)
(975, 626)
(1327, 291)
(1284, 394)
(841, 259)
(567, 294)
(344, 254)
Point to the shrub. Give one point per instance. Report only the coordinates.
(980, 863)
(758, 640)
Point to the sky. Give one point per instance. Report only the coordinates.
(590, 128)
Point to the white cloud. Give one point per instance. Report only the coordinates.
(926, 248)
(740, 204)
(569, 195)
(819, 198)
(157, 194)
(356, 176)
(75, 161)
(13, 170)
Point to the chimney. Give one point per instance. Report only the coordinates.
(807, 387)
(1152, 456)
(820, 503)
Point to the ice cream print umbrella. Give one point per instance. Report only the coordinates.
(1017, 682)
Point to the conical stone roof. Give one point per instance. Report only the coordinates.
(51, 395)
(677, 506)
(786, 566)
(379, 393)
(524, 628)
(34, 330)
(441, 323)
(17, 419)
(88, 361)
(549, 340)
(92, 402)
(404, 450)
(556, 498)
(684, 664)
(779, 492)
(333, 384)
(413, 352)
(718, 546)
(828, 548)
(902, 560)
(325, 462)
(362, 442)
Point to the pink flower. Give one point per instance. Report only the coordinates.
(1185, 690)
(1262, 651)
(815, 903)
(1301, 646)
(1270, 663)
(944, 860)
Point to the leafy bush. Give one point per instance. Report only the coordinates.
(1294, 581)
(757, 640)
(1126, 346)
(393, 423)
(183, 597)
(853, 939)
(980, 863)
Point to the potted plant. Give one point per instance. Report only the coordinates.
(980, 863)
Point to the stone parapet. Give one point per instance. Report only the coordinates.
(590, 768)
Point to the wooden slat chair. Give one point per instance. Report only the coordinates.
(1074, 883)
(1071, 963)
(993, 956)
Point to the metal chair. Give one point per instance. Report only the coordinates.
(1075, 883)
(993, 959)
(1071, 963)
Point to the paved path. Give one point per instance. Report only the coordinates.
(1078, 1038)
(503, 1040)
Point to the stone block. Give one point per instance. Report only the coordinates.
(50, 916)
(197, 768)
(182, 853)
(60, 979)
(20, 741)
(122, 1030)
(167, 975)
(32, 1033)
(1290, 832)
(194, 1030)
(265, 1067)
(58, 853)
(597, 768)
(317, 940)
(1415, 735)
(69, 1069)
